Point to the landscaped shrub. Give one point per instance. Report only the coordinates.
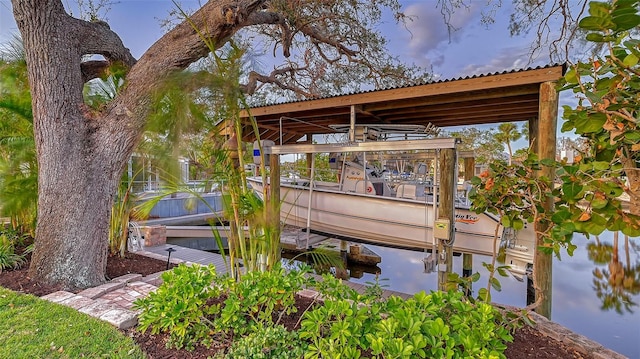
(438, 325)
(257, 297)
(196, 307)
(271, 342)
(179, 305)
(194, 304)
(8, 257)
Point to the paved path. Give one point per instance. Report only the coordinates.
(113, 300)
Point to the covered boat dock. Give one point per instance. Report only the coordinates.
(510, 96)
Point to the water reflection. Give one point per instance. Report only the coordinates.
(584, 300)
(619, 281)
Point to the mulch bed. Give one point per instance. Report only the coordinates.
(528, 342)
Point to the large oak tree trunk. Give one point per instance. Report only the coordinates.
(82, 152)
(73, 215)
(78, 166)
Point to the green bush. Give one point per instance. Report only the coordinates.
(185, 304)
(195, 305)
(8, 257)
(179, 306)
(270, 342)
(257, 298)
(438, 325)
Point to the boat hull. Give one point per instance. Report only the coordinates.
(381, 220)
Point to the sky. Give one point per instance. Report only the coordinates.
(473, 49)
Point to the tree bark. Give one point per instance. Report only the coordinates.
(74, 187)
(82, 152)
(545, 144)
(633, 176)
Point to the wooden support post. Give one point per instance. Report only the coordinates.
(447, 166)
(469, 168)
(344, 245)
(342, 272)
(309, 155)
(352, 124)
(544, 143)
(467, 269)
(467, 264)
(274, 201)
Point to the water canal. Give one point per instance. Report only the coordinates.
(575, 305)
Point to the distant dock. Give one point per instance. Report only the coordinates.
(292, 239)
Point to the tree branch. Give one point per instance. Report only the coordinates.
(263, 18)
(93, 69)
(207, 29)
(272, 78)
(313, 33)
(272, 18)
(97, 38)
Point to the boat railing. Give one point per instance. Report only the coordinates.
(411, 186)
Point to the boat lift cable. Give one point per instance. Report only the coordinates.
(451, 240)
(436, 169)
(433, 258)
(342, 174)
(311, 184)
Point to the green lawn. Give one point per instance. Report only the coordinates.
(34, 328)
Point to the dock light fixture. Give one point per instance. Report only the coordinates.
(170, 250)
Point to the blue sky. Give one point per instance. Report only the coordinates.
(473, 49)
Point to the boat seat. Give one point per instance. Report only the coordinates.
(406, 191)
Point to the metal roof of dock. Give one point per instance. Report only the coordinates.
(508, 96)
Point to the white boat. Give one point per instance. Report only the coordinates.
(371, 205)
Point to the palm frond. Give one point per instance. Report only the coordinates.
(323, 256)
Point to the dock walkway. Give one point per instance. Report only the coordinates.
(184, 254)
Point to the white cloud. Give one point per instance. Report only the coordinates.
(428, 30)
(505, 59)
(428, 42)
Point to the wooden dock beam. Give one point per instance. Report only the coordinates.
(543, 141)
(467, 271)
(273, 205)
(469, 168)
(448, 184)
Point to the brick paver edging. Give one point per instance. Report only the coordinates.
(112, 301)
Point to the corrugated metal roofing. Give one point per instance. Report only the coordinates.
(417, 84)
(507, 96)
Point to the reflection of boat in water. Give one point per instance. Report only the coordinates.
(518, 250)
(368, 202)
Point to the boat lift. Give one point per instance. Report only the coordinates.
(444, 217)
